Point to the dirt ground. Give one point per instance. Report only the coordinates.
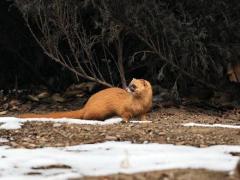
(175, 174)
(166, 127)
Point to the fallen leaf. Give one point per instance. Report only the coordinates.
(42, 95)
(33, 98)
(57, 98)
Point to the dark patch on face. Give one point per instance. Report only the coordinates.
(132, 87)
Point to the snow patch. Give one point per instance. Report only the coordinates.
(111, 157)
(16, 123)
(3, 140)
(211, 125)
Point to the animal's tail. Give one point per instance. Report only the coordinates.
(77, 114)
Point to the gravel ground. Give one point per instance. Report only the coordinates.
(166, 127)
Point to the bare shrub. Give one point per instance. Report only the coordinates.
(176, 42)
(63, 33)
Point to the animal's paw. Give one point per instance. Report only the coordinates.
(124, 121)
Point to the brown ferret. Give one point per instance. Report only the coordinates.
(135, 101)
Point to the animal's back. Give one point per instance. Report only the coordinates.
(109, 96)
(107, 102)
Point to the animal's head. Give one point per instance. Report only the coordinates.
(139, 87)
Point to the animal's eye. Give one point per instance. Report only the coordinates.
(133, 86)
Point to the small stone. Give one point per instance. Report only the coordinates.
(57, 125)
(111, 138)
(180, 143)
(26, 139)
(31, 146)
(203, 145)
(3, 112)
(13, 144)
(161, 133)
(14, 102)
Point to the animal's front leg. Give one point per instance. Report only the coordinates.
(126, 117)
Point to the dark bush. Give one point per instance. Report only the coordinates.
(170, 42)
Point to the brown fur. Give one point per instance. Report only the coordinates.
(136, 101)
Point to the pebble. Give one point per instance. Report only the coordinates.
(3, 112)
(57, 125)
(161, 133)
(111, 138)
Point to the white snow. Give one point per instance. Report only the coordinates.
(212, 125)
(109, 157)
(3, 140)
(112, 157)
(16, 123)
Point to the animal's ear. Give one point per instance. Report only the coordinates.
(133, 79)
